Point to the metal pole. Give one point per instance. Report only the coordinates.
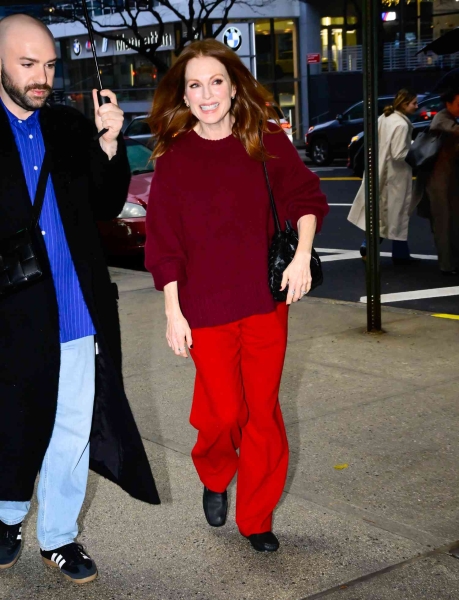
(371, 18)
(87, 18)
(418, 20)
(304, 68)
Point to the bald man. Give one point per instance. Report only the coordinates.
(62, 401)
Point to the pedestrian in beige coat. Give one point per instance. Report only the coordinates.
(395, 177)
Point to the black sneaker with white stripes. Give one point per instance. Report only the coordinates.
(73, 562)
(10, 544)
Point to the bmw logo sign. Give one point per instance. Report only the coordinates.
(76, 47)
(232, 37)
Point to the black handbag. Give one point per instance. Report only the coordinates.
(424, 150)
(282, 250)
(19, 263)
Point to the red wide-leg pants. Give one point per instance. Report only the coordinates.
(236, 406)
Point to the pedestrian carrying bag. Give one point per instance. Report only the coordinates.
(424, 150)
(19, 262)
(282, 250)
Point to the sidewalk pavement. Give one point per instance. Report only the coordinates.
(383, 408)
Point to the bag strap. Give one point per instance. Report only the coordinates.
(271, 197)
(40, 191)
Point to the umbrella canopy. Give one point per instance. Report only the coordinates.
(445, 44)
(449, 80)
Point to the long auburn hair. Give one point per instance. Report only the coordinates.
(170, 118)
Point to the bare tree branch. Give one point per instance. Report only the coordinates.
(194, 22)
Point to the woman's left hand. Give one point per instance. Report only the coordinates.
(298, 277)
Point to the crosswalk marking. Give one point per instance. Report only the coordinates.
(417, 294)
(340, 179)
(339, 254)
(331, 250)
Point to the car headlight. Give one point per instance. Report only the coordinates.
(311, 129)
(132, 211)
(354, 139)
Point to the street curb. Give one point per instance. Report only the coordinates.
(361, 305)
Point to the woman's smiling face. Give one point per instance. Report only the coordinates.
(208, 90)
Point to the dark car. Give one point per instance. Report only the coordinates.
(330, 140)
(125, 235)
(138, 129)
(428, 108)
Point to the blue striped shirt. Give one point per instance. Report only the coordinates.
(74, 319)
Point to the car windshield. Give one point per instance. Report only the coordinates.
(356, 111)
(138, 157)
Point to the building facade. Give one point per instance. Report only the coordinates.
(284, 32)
(275, 29)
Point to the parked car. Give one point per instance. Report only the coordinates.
(125, 235)
(286, 126)
(330, 140)
(428, 108)
(138, 129)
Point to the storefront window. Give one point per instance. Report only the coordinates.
(287, 94)
(336, 33)
(277, 62)
(264, 45)
(131, 76)
(285, 48)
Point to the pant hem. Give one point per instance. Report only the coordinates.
(49, 549)
(12, 522)
(255, 531)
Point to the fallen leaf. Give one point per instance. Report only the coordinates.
(341, 467)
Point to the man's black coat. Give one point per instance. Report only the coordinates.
(88, 187)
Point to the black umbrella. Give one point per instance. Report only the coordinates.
(101, 99)
(449, 80)
(445, 44)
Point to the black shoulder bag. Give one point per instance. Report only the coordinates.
(282, 250)
(19, 263)
(424, 150)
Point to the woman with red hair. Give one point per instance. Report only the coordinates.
(209, 225)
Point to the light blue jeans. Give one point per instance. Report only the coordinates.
(64, 472)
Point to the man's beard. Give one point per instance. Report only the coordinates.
(20, 96)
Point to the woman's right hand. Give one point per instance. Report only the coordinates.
(178, 333)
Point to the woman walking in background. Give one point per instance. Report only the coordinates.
(395, 177)
(208, 230)
(443, 185)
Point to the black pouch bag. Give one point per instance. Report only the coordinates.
(19, 262)
(282, 250)
(424, 150)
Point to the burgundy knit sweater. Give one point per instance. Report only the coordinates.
(209, 222)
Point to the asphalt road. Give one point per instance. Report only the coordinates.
(418, 286)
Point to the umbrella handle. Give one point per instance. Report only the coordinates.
(102, 100)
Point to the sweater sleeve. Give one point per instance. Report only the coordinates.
(295, 187)
(164, 254)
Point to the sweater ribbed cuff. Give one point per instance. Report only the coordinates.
(167, 273)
